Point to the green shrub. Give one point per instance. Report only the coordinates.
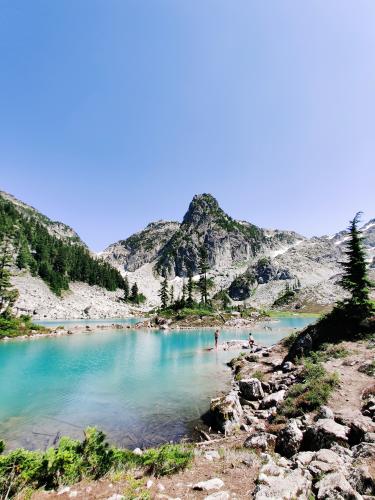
(73, 460)
(2, 446)
(14, 327)
(329, 351)
(167, 459)
(289, 340)
(258, 374)
(312, 392)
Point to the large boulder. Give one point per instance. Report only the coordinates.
(324, 433)
(283, 484)
(361, 480)
(289, 440)
(274, 399)
(226, 412)
(263, 441)
(335, 486)
(251, 389)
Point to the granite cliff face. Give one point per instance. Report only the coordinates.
(175, 248)
(255, 265)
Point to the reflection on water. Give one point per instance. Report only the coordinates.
(140, 387)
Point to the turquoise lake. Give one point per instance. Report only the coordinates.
(140, 387)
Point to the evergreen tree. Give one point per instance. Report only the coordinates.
(8, 294)
(134, 293)
(183, 296)
(126, 289)
(225, 300)
(203, 268)
(171, 296)
(23, 257)
(163, 293)
(355, 279)
(190, 287)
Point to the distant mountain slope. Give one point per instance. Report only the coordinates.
(51, 250)
(141, 248)
(174, 248)
(255, 265)
(55, 228)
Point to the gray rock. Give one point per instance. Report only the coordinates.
(274, 399)
(212, 455)
(226, 412)
(287, 485)
(361, 480)
(219, 495)
(324, 412)
(369, 437)
(324, 433)
(289, 440)
(251, 389)
(211, 484)
(288, 366)
(262, 441)
(335, 486)
(364, 450)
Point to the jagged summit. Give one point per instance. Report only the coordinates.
(174, 248)
(202, 206)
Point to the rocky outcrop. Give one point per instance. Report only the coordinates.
(141, 248)
(251, 389)
(324, 433)
(226, 412)
(289, 439)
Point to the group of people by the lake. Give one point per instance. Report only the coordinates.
(251, 340)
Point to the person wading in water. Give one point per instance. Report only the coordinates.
(216, 338)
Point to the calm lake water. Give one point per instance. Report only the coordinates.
(140, 387)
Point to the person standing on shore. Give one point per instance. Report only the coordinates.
(251, 341)
(216, 338)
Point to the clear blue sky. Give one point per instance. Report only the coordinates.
(114, 113)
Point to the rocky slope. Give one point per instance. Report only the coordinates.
(255, 265)
(81, 301)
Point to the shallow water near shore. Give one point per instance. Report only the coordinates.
(140, 387)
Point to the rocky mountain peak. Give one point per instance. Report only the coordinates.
(202, 207)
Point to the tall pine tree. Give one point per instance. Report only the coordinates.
(134, 293)
(163, 293)
(203, 268)
(355, 279)
(190, 287)
(8, 294)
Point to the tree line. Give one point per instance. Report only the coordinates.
(56, 261)
(187, 297)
